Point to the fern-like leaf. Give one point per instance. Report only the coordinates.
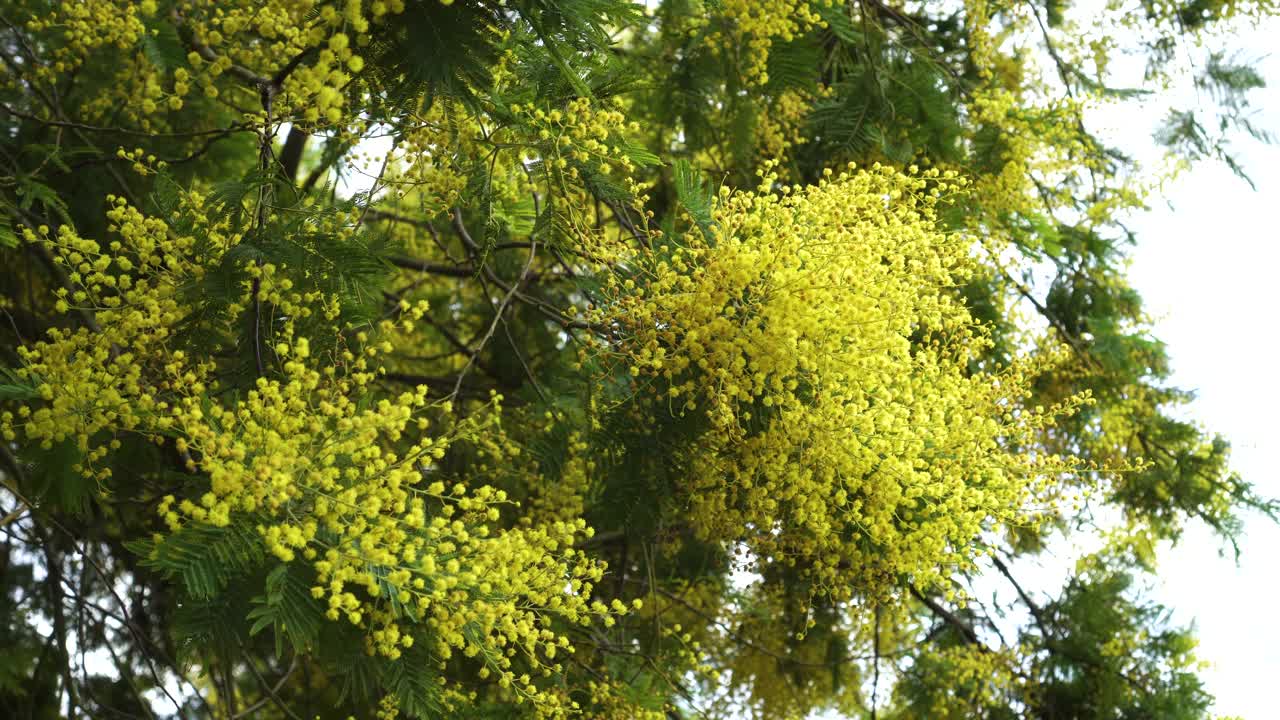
(205, 558)
(289, 609)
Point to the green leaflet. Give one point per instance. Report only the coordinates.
(204, 558)
(288, 609)
(693, 196)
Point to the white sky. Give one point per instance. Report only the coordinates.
(1206, 266)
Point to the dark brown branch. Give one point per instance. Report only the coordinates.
(291, 155)
(498, 312)
(546, 310)
(257, 326)
(875, 665)
(1050, 638)
(271, 693)
(950, 618)
(441, 386)
(283, 73)
(1037, 613)
(409, 263)
(53, 585)
(117, 130)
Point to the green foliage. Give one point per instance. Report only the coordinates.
(413, 683)
(695, 198)
(549, 160)
(204, 558)
(288, 609)
(438, 50)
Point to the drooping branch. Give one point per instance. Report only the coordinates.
(965, 629)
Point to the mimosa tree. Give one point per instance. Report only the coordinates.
(585, 358)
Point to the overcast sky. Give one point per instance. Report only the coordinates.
(1206, 265)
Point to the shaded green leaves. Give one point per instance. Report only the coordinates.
(203, 557)
(693, 195)
(288, 609)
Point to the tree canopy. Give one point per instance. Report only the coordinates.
(585, 358)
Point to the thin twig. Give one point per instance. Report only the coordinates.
(497, 317)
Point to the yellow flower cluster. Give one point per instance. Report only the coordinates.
(565, 499)
(264, 37)
(322, 474)
(979, 681)
(93, 380)
(780, 129)
(610, 698)
(818, 332)
(247, 38)
(332, 471)
(86, 25)
(424, 168)
(1040, 139)
(582, 133)
(140, 89)
(581, 138)
(1040, 129)
(754, 25)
